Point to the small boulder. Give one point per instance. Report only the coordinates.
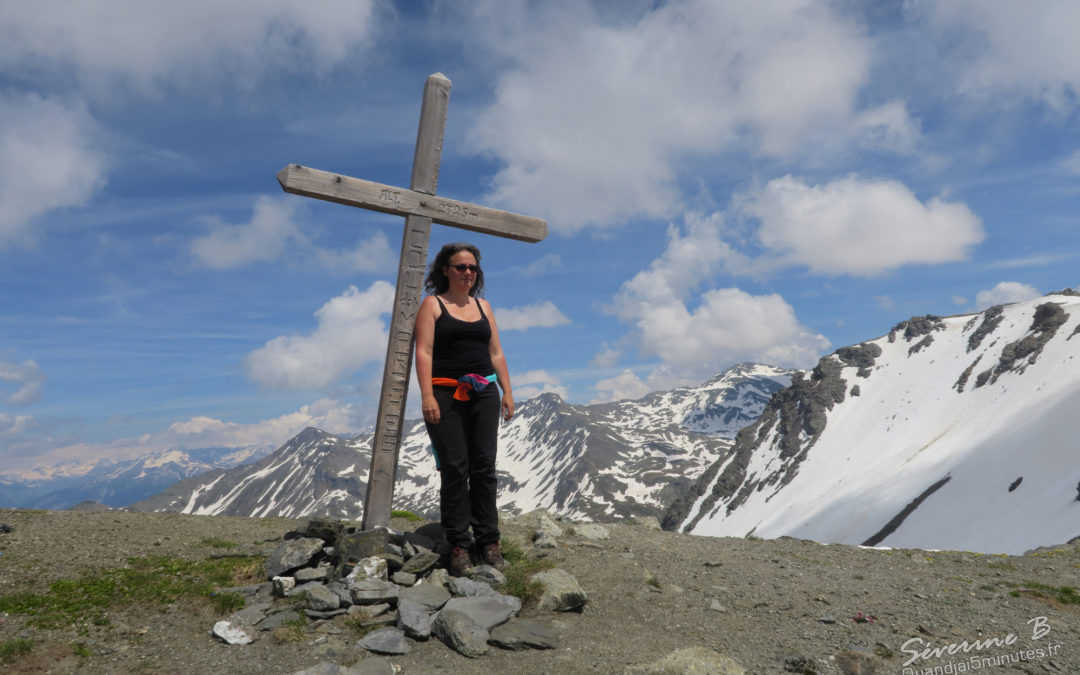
(291, 554)
(562, 592)
(233, 633)
(460, 633)
(387, 640)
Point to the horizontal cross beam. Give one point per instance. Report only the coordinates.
(301, 180)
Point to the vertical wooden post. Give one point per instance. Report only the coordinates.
(410, 281)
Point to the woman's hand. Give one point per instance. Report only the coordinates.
(431, 409)
(507, 406)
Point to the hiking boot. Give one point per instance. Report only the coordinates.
(493, 556)
(459, 561)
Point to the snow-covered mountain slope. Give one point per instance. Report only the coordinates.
(955, 432)
(115, 482)
(599, 461)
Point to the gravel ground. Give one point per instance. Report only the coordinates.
(773, 606)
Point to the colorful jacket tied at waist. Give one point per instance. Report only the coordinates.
(464, 384)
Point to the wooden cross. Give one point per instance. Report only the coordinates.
(420, 207)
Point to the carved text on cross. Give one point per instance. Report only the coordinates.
(420, 207)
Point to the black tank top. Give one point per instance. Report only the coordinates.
(461, 347)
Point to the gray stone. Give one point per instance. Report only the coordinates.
(364, 612)
(414, 619)
(432, 597)
(280, 620)
(469, 588)
(544, 540)
(343, 593)
(321, 599)
(460, 633)
(403, 578)
(232, 633)
(394, 561)
(420, 563)
(439, 577)
(591, 531)
(372, 665)
(419, 542)
(311, 574)
(369, 568)
(387, 640)
(250, 615)
(692, 660)
(290, 554)
(323, 615)
(385, 619)
(352, 547)
(562, 592)
(488, 575)
(486, 611)
(322, 528)
(520, 634)
(283, 586)
(372, 591)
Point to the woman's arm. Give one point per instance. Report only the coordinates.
(498, 360)
(424, 334)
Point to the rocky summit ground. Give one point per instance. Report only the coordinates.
(778, 606)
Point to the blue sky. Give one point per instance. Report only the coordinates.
(722, 181)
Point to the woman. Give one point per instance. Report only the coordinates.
(457, 349)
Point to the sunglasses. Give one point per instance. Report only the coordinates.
(461, 267)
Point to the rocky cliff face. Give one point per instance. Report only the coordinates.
(945, 433)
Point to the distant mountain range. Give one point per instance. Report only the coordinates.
(955, 432)
(590, 461)
(115, 482)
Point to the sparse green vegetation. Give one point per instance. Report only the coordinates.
(81, 650)
(520, 567)
(407, 515)
(217, 542)
(1066, 595)
(13, 649)
(152, 580)
(227, 603)
(292, 631)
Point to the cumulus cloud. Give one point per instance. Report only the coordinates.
(856, 226)
(692, 335)
(535, 382)
(262, 239)
(350, 334)
(275, 230)
(144, 44)
(626, 385)
(1005, 292)
(48, 160)
(28, 379)
(540, 315)
(591, 124)
(1007, 48)
(607, 357)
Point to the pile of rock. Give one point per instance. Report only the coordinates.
(397, 584)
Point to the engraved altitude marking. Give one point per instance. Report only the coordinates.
(419, 214)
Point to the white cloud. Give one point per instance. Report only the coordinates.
(48, 160)
(1007, 48)
(623, 386)
(132, 42)
(540, 315)
(263, 239)
(607, 357)
(274, 231)
(350, 334)
(593, 116)
(29, 379)
(551, 261)
(1005, 292)
(196, 432)
(726, 326)
(535, 382)
(885, 302)
(856, 226)
(11, 425)
(373, 255)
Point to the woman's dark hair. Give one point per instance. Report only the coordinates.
(437, 282)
